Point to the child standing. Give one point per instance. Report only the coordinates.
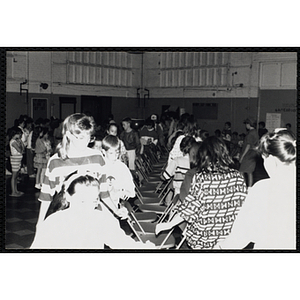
(16, 154)
(226, 135)
(131, 141)
(149, 136)
(43, 151)
(113, 130)
(119, 179)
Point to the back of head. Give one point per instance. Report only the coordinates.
(191, 128)
(204, 134)
(262, 124)
(44, 131)
(280, 144)
(110, 141)
(186, 144)
(212, 154)
(193, 154)
(72, 181)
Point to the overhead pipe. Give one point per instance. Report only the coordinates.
(138, 96)
(146, 95)
(26, 90)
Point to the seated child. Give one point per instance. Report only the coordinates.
(81, 226)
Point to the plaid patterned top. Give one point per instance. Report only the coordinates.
(211, 206)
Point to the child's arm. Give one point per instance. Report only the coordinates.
(17, 146)
(246, 150)
(168, 225)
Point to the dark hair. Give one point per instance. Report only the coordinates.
(280, 144)
(35, 134)
(13, 131)
(127, 119)
(213, 151)
(84, 179)
(22, 119)
(193, 154)
(29, 121)
(174, 138)
(190, 128)
(263, 124)
(218, 133)
(59, 202)
(228, 123)
(39, 121)
(110, 141)
(288, 125)
(112, 124)
(204, 134)
(235, 133)
(186, 144)
(149, 122)
(180, 126)
(44, 131)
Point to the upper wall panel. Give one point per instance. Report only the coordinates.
(74, 72)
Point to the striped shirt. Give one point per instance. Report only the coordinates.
(211, 206)
(57, 170)
(177, 167)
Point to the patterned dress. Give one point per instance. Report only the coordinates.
(212, 205)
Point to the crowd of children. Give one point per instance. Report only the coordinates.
(29, 146)
(105, 156)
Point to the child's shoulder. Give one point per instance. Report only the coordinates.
(94, 152)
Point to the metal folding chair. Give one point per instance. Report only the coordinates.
(162, 241)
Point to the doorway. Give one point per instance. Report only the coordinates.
(39, 108)
(67, 107)
(98, 107)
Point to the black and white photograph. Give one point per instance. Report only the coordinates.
(151, 149)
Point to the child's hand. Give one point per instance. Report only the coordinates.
(124, 195)
(122, 213)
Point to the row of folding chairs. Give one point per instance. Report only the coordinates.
(155, 202)
(145, 230)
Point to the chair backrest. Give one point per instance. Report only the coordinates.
(131, 220)
(164, 189)
(167, 212)
(162, 242)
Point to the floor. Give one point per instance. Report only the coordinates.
(22, 212)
